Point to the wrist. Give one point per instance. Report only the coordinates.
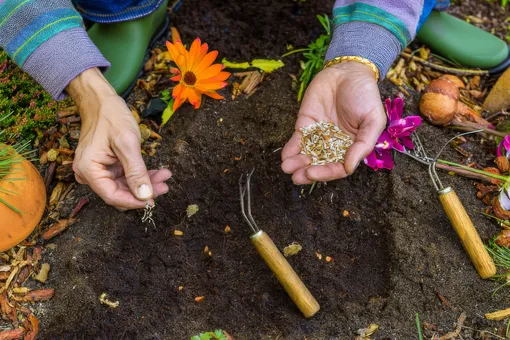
(90, 86)
(353, 66)
(354, 60)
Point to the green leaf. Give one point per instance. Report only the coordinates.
(165, 95)
(205, 336)
(167, 113)
(218, 334)
(195, 337)
(229, 64)
(267, 65)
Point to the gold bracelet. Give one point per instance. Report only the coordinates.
(358, 59)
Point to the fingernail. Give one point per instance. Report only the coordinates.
(144, 191)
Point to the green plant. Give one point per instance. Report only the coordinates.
(313, 56)
(418, 326)
(216, 335)
(24, 105)
(166, 96)
(504, 3)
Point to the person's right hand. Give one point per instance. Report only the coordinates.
(108, 157)
(347, 95)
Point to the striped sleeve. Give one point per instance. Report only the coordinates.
(48, 41)
(377, 30)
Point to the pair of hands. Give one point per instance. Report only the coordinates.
(108, 156)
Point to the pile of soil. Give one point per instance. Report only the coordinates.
(393, 254)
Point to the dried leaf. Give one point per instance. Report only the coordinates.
(292, 249)
(57, 228)
(32, 324)
(367, 332)
(499, 96)
(12, 334)
(42, 276)
(103, 298)
(498, 315)
(145, 132)
(57, 193)
(191, 210)
(199, 298)
(39, 295)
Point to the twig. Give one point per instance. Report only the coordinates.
(50, 172)
(451, 70)
(495, 114)
(456, 333)
(66, 192)
(468, 126)
(465, 173)
(479, 331)
(79, 206)
(443, 300)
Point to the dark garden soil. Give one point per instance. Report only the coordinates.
(393, 255)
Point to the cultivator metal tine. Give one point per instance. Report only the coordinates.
(419, 154)
(245, 193)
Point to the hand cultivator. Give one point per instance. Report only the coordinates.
(455, 211)
(288, 278)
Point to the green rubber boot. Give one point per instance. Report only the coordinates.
(125, 46)
(462, 42)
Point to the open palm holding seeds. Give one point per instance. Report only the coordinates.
(324, 143)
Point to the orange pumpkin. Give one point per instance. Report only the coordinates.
(29, 196)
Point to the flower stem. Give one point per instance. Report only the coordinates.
(295, 51)
(465, 173)
(457, 71)
(481, 172)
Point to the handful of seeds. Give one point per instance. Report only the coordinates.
(325, 143)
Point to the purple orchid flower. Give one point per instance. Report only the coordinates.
(505, 143)
(379, 160)
(396, 136)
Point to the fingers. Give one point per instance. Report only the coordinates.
(327, 172)
(127, 149)
(114, 195)
(161, 175)
(293, 146)
(299, 177)
(293, 163)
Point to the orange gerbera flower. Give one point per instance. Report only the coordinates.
(196, 74)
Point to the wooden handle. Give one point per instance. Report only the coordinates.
(467, 233)
(285, 274)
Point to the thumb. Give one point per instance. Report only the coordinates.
(369, 131)
(130, 156)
